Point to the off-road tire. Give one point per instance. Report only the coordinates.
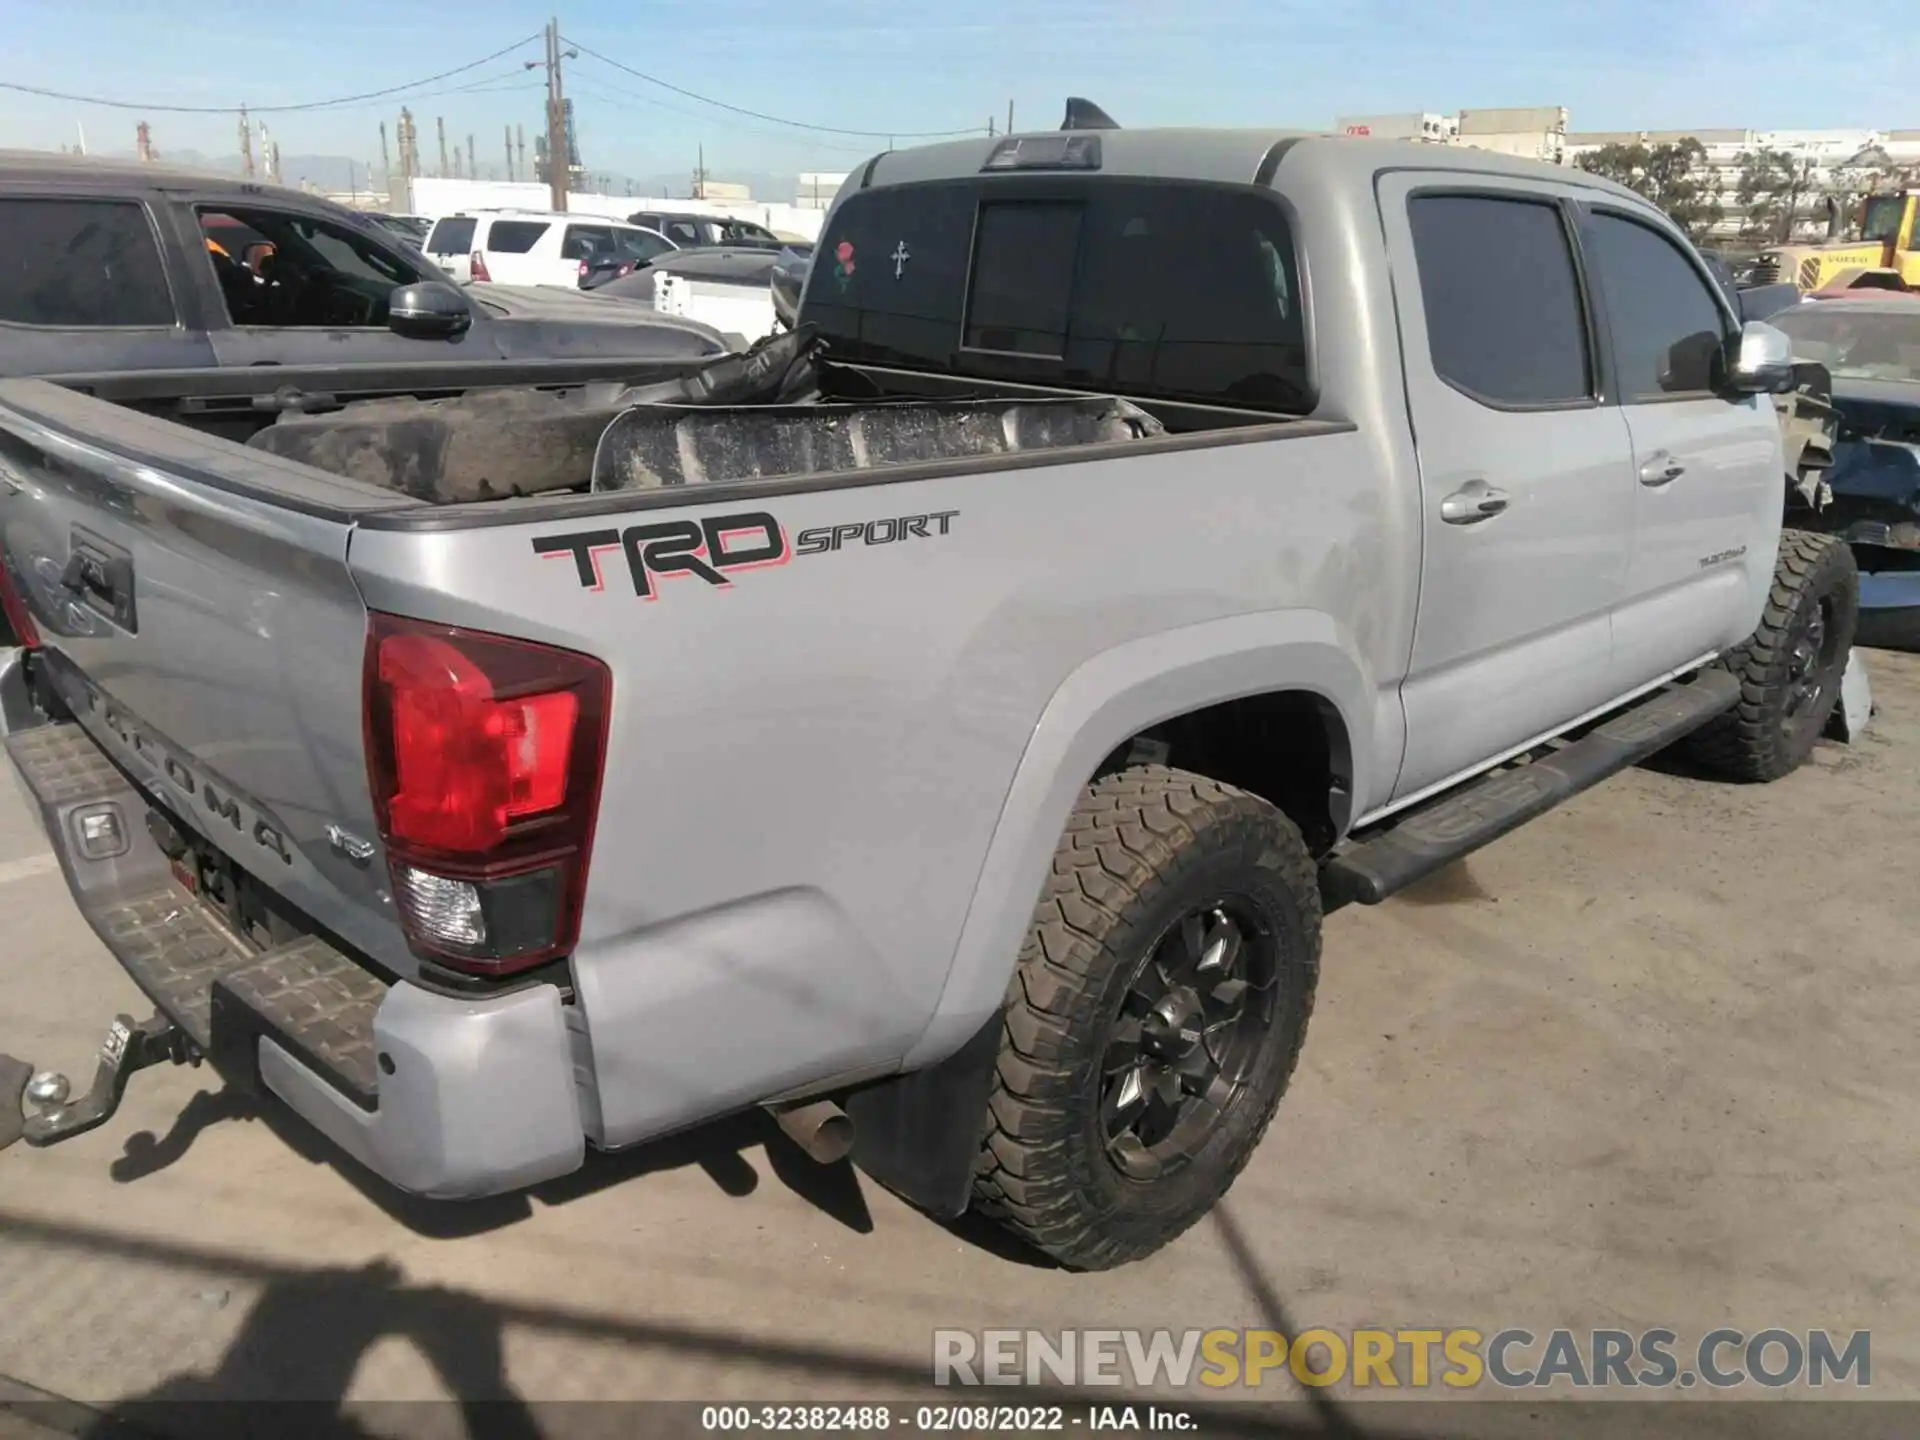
(1760, 739)
(1142, 848)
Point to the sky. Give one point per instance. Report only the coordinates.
(892, 67)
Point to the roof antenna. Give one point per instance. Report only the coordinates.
(1085, 115)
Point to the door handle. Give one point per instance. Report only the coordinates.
(1473, 502)
(1660, 468)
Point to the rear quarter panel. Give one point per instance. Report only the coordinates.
(809, 767)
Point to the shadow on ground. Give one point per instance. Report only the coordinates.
(720, 1149)
(289, 1370)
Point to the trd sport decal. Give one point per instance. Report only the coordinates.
(716, 548)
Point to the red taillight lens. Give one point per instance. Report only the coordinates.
(485, 756)
(584, 268)
(25, 632)
(479, 264)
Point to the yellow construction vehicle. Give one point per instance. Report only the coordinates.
(1886, 256)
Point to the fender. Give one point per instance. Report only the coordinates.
(1110, 697)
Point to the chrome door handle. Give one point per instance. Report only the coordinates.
(1473, 502)
(1660, 468)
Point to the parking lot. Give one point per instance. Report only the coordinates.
(1649, 1062)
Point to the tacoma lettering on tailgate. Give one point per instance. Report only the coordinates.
(717, 548)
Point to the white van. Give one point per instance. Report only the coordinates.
(533, 247)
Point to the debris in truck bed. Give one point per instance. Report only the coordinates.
(654, 445)
(494, 444)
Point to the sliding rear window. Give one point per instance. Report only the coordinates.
(1159, 289)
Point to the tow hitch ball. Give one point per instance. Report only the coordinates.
(53, 1117)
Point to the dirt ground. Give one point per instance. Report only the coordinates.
(1649, 1062)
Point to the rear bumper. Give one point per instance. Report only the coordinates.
(443, 1096)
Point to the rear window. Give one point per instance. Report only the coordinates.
(581, 241)
(515, 237)
(1170, 290)
(452, 236)
(80, 264)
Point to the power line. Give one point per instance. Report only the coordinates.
(267, 109)
(601, 92)
(762, 115)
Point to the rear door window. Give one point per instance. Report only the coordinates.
(515, 237)
(452, 236)
(81, 264)
(1510, 334)
(1180, 291)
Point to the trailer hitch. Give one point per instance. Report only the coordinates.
(127, 1048)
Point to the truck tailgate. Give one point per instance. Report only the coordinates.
(196, 613)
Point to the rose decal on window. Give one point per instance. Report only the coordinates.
(843, 263)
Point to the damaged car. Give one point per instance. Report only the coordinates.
(1870, 345)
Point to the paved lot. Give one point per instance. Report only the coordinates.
(1649, 1062)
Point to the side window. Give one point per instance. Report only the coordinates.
(581, 241)
(277, 268)
(1669, 333)
(683, 233)
(515, 237)
(81, 264)
(1504, 318)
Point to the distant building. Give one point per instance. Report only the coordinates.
(816, 189)
(1431, 128)
(1538, 133)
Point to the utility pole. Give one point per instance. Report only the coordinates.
(143, 142)
(1009, 117)
(386, 165)
(441, 122)
(473, 170)
(700, 176)
(990, 127)
(246, 145)
(520, 146)
(559, 152)
(510, 175)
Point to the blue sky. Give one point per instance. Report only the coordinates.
(881, 64)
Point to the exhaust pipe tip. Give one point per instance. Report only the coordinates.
(820, 1128)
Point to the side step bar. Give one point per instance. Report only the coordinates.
(1436, 834)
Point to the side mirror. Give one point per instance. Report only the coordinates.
(431, 310)
(1762, 361)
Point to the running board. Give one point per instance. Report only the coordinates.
(1438, 833)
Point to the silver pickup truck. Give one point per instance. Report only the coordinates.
(1177, 534)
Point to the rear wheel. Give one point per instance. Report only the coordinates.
(1155, 1018)
(1790, 668)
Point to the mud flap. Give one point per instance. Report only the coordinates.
(918, 1134)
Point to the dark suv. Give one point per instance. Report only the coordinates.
(699, 232)
(114, 266)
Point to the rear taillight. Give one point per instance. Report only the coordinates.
(479, 264)
(25, 632)
(584, 269)
(485, 757)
